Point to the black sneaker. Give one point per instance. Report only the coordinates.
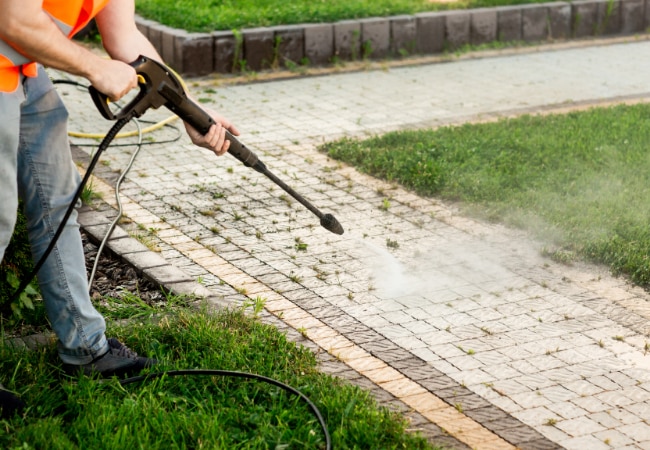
(118, 361)
(10, 403)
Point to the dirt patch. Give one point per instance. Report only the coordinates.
(115, 278)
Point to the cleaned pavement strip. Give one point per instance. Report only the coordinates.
(462, 321)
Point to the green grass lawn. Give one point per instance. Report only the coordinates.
(210, 15)
(198, 412)
(580, 181)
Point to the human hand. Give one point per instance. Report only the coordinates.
(113, 78)
(215, 138)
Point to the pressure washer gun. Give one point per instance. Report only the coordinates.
(160, 86)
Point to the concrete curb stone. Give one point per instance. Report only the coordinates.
(225, 51)
(430, 34)
(423, 33)
(375, 34)
(319, 43)
(609, 17)
(508, 23)
(534, 22)
(258, 48)
(194, 53)
(559, 20)
(347, 39)
(403, 33)
(168, 44)
(584, 17)
(457, 29)
(632, 16)
(290, 44)
(483, 26)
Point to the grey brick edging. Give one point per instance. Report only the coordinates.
(147, 263)
(391, 37)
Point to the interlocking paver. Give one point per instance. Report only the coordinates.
(614, 438)
(567, 410)
(624, 416)
(475, 303)
(638, 431)
(583, 442)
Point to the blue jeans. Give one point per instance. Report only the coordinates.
(36, 165)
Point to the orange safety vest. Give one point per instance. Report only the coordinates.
(69, 15)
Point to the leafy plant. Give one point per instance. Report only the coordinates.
(300, 245)
(17, 265)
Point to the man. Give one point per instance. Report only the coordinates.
(35, 159)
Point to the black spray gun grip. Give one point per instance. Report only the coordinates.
(160, 87)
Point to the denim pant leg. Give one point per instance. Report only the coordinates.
(9, 125)
(47, 181)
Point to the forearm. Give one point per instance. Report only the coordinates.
(121, 38)
(131, 46)
(34, 34)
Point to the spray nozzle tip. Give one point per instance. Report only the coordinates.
(330, 223)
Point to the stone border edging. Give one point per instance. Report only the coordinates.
(147, 263)
(427, 33)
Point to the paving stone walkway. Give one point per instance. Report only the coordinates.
(464, 323)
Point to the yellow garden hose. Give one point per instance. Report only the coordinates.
(125, 134)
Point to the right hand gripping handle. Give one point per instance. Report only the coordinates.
(196, 116)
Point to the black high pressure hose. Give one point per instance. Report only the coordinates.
(102, 146)
(229, 373)
(172, 373)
